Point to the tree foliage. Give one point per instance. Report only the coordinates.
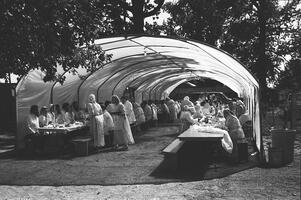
(137, 10)
(290, 78)
(260, 33)
(41, 34)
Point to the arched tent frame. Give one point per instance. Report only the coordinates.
(154, 65)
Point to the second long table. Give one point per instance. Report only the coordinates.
(199, 147)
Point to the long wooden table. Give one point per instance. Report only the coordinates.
(198, 148)
(57, 139)
(60, 129)
(200, 136)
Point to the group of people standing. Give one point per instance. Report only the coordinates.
(109, 123)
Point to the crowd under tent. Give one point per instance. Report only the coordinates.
(152, 66)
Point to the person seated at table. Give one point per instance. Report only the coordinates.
(43, 117)
(108, 125)
(198, 114)
(68, 119)
(32, 139)
(51, 115)
(205, 108)
(232, 106)
(245, 121)
(235, 131)
(59, 117)
(186, 101)
(187, 118)
(77, 113)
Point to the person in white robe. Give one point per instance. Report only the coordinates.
(122, 130)
(96, 122)
(128, 110)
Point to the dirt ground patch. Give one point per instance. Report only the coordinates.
(256, 183)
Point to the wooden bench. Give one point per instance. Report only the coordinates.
(171, 156)
(81, 146)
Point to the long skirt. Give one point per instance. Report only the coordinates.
(122, 131)
(97, 131)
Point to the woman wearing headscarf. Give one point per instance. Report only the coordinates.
(198, 113)
(43, 117)
(139, 113)
(234, 129)
(59, 118)
(122, 130)
(186, 101)
(68, 118)
(96, 122)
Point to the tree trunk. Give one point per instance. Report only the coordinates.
(262, 62)
(138, 16)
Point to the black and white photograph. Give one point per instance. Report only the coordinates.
(150, 99)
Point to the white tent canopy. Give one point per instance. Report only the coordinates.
(154, 66)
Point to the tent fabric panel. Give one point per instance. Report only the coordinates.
(150, 41)
(131, 76)
(32, 90)
(229, 61)
(62, 93)
(108, 87)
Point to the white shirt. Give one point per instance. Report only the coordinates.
(32, 123)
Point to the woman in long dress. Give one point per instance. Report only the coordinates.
(122, 130)
(96, 122)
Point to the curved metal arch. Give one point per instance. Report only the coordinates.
(200, 42)
(194, 75)
(113, 74)
(153, 88)
(102, 67)
(173, 83)
(161, 83)
(220, 60)
(163, 75)
(137, 71)
(192, 71)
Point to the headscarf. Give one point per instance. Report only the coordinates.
(227, 112)
(92, 98)
(186, 98)
(186, 108)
